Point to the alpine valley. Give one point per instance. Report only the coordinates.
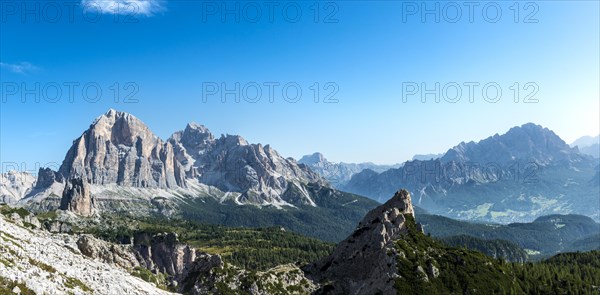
(130, 213)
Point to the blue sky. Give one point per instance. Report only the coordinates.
(164, 56)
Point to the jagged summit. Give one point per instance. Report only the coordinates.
(528, 142)
(119, 148)
(121, 128)
(400, 202)
(232, 164)
(113, 115)
(196, 126)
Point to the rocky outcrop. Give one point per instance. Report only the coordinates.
(119, 148)
(46, 177)
(365, 263)
(119, 255)
(77, 197)
(57, 226)
(164, 253)
(191, 144)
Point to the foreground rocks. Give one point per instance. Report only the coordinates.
(364, 263)
(48, 263)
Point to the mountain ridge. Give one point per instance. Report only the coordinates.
(340, 173)
(526, 172)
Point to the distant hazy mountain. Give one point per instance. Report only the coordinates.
(518, 176)
(585, 141)
(339, 173)
(588, 145)
(545, 236)
(426, 157)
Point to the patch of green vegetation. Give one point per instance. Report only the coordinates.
(10, 239)
(28, 226)
(160, 280)
(7, 262)
(73, 283)
(547, 234)
(10, 236)
(463, 271)
(42, 266)
(249, 248)
(7, 210)
(6, 287)
(50, 215)
(332, 220)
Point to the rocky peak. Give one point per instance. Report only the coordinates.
(399, 204)
(233, 140)
(232, 164)
(365, 261)
(528, 143)
(122, 128)
(195, 136)
(46, 177)
(119, 148)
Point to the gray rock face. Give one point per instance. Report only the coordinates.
(46, 177)
(119, 255)
(365, 262)
(191, 144)
(119, 148)
(339, 174)
(56, 226)
(77, 198)
(230, 163)
(164, 253)
(158, 253)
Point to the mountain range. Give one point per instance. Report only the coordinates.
(119, 165)
(588, 145)
(525, 173)
(338, 174)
